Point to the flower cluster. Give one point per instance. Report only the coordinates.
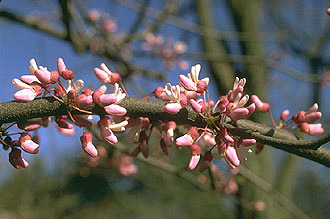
(213, 140)
(73, 96)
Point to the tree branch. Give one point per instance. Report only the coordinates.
(15, 111)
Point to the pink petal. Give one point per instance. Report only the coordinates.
(25, 95)
(172, 108)
(251, 108)
(16, 159)
(194, 159)
(314, 108)
(209, 140)
(60, 65)
(108, 135)
(187, 83)
(115, 110)
(315, 129)
(30, 147)
(239, 113)
(232, 157)
(90, 149)
(195, 106)
(29, 79)
(102, 75)
(43, 76)
(185, 140)
(248, 142)
(284, 115)
(255, 99)
(313, 117)
(83, 101)
(107, 99)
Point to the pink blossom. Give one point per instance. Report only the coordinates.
(191, 81)
(27, 144)
(284, 115)
(176, 100)
(231, 157)
(16, 159)
(63, 71)
(261, 106)
(115, 110)
(195, 156)
(107, 128)
(27, 92)
(87, 145)
(184, 140)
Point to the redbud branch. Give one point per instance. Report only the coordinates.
(15, 111)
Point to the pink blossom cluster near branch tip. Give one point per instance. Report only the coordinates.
(73, 96)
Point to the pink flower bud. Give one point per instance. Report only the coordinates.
(195, 156)
(43, 75)
(105, 132)
(25, 95)
(187, 83)
(184, 140)
(222, 103)
(239, 113)
(209, 140)
(87, 145)
(315, 129)
(313, 117)
(299, 117)
(16, 159)
(201, 86)
(195, 106)
(247, 142)
(251, 108)
(160, 93)
(29, 79)
(63, 71)
(231, 157)
(172, 108)
(83, 101)
(225, 136)
(115, 78)
(27, 144)
(262, 107)
(107, 99)
(194, 159)
(102, 75)
(284, 115)
(54, 77)
(115, 110)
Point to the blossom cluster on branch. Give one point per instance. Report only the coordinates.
(209, 142)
